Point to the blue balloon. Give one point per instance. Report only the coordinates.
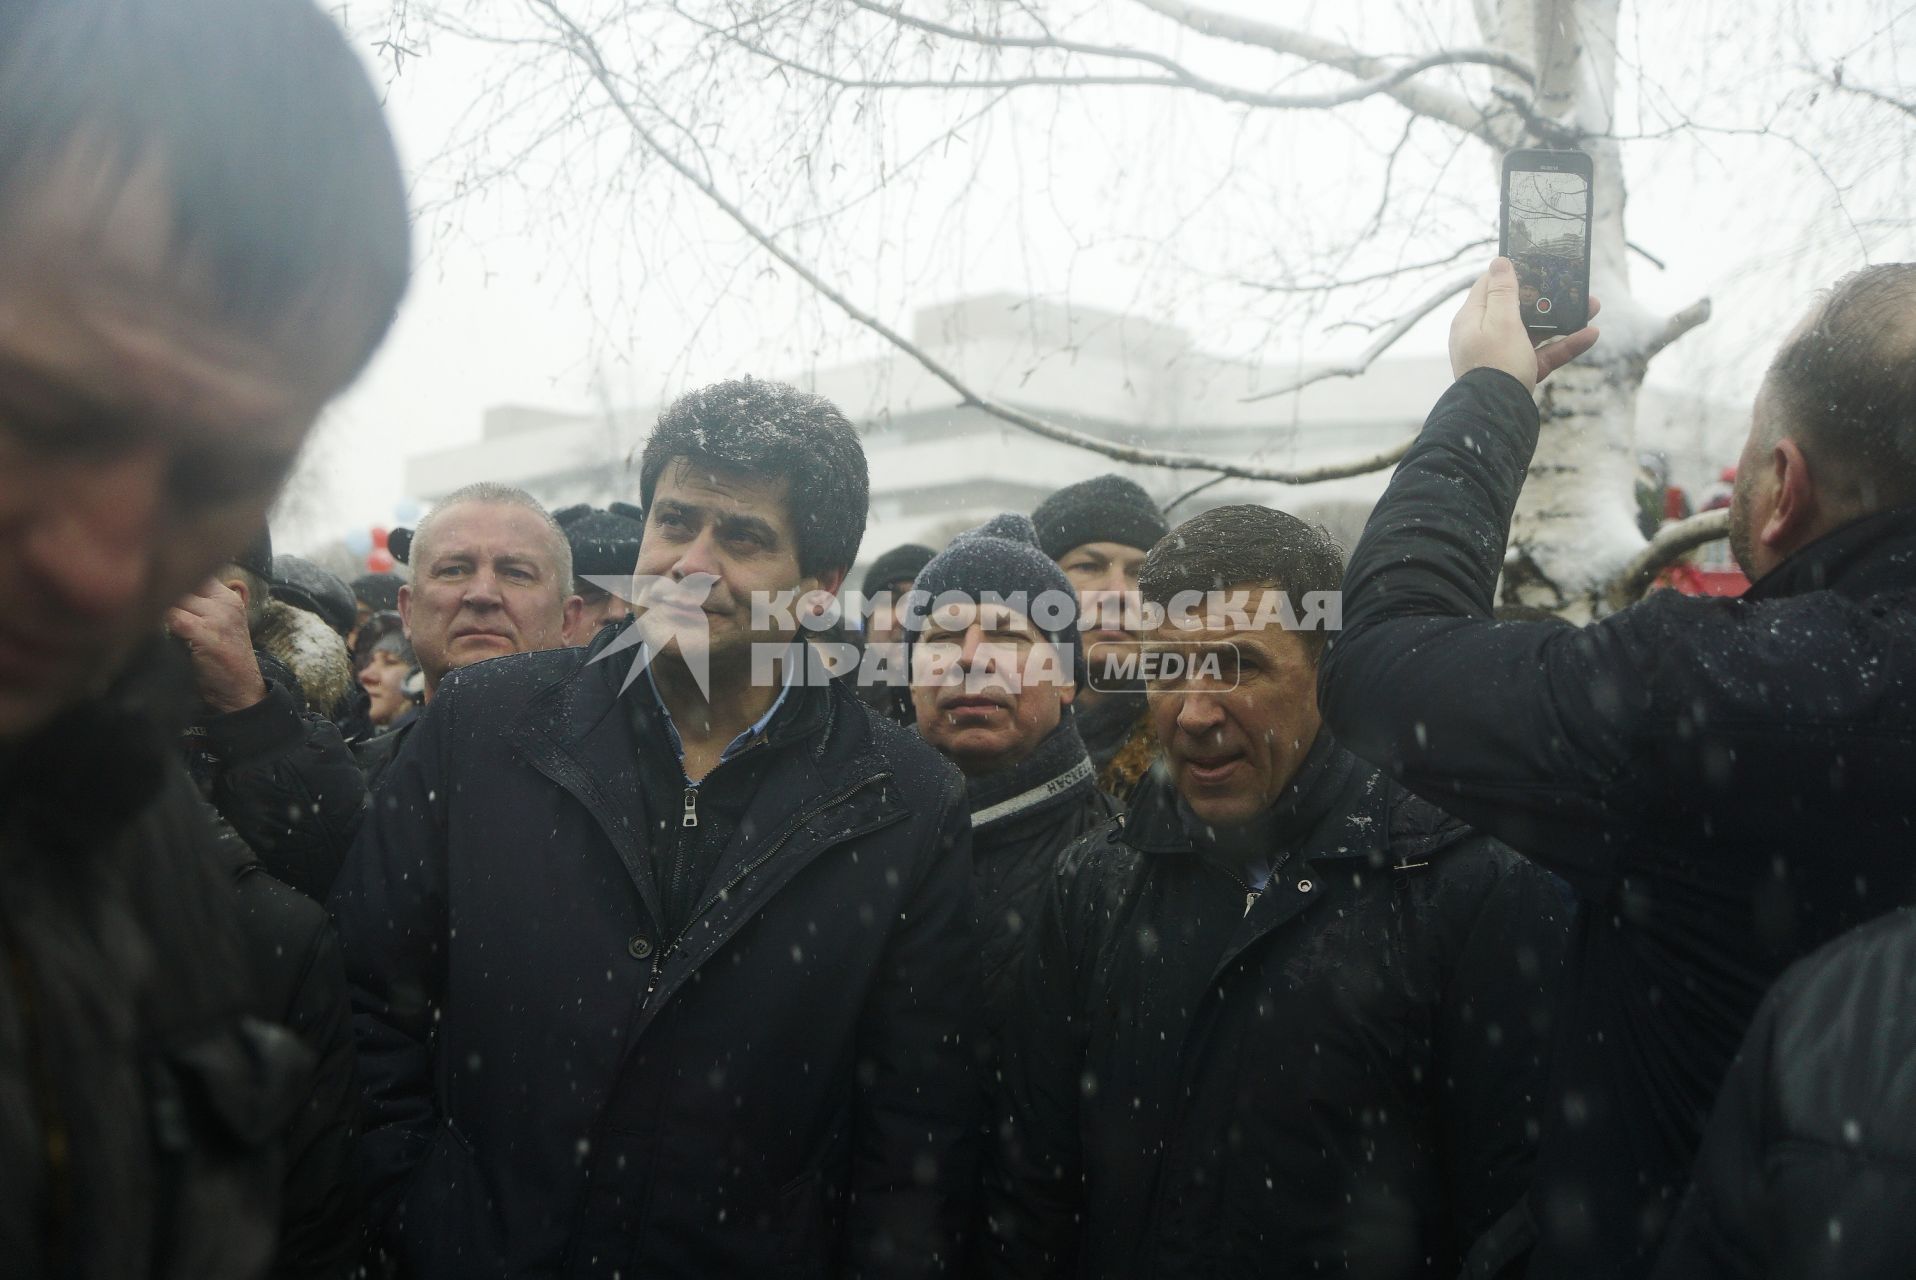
(408, 511)
(359, 541)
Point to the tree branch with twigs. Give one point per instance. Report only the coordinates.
(587, 49)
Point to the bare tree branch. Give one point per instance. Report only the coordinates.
(1676, 326)
(1396, 329)
(1671, 542)
(1326, 286)
(586, 49)
(1181, 79)
(1453, 109)
(1191, 493)
(1875, 95)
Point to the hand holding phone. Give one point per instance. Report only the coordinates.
(1544, 229)
(1488, 332)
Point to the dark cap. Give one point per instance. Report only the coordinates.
(900, 564)
(604, 543)
(1102, 509)
(304, 585)
(378, 591)
(1000, 559)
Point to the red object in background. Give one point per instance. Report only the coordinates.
(379, 537)
(379, 560)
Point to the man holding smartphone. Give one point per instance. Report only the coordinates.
(1723, 783)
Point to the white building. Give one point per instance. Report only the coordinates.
(939, 466)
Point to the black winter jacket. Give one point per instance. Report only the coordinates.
(1724, 783)
(1808, 1168)
(140, 1107)
(299, 981)
(1335, 1078)
(554, 1087)
(1021, 819)
(284, 779)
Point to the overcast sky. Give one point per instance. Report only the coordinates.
(547, 290)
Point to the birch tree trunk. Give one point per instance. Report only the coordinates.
(1575, 525)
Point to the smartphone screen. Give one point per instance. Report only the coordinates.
(1546, 236)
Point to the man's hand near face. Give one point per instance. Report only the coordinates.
(212, 622)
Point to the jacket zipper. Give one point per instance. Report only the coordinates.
(660, 956)
(690, 816)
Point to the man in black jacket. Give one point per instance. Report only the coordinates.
(662, 952)
(203, 236)
(1724, 783)
(276, 769)
(1808, 1167)
(992, 690)
(1283, 1020)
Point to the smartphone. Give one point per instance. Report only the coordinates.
(1545, 232)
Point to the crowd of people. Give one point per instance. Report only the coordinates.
(566, 905)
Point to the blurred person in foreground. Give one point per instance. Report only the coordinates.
(1805, 1169)
(1722, 782)
(1282, 1019)
(206, 237)
(1098, 531)
(662, 950)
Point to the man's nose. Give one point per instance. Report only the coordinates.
(368, 678)
(1199, 714)
(94, 541)
(968, 650)
(699, 556)
(482, 591)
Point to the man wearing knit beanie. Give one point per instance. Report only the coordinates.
(992, 630)
(605, 544)
(1098, 532)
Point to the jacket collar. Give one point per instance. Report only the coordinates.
(1875, 553)
(1057, 772)
(576, 733)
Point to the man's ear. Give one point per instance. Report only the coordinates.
(237, 585)
(831, 580)
(569, 615)
(1793, 518)
(405, 608)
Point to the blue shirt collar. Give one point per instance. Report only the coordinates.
(794, 665)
